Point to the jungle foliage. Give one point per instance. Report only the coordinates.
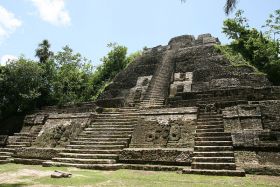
(259, 49)
(56, 78)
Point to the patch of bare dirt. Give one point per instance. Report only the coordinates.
(19, 176)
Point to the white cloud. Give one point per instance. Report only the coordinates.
(6, 58)
(8, 23)
(53, 11)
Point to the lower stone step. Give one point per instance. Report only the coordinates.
(21, 143)
(98, 143)
(84, 166)
(16, 146)
(214, 154)
(104, 132)
(96, 147)
(212, 148)
(213, 166)
(211, 116)
(84, 160)
(213, 143)
(28, 161)
(214, 159)
(104, 136)
(11, 150)
(209, 126)
(4, 157)
(6, 153)
(151, 167)
(102, 139)
(88, 151)
(238, 173)
(89, 156)
(212, 134)
(5, 161)
(217, 138)
(209, 130)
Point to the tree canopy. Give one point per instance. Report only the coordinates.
(56, 78)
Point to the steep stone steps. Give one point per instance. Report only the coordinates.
(98, 145)
(213, 150)
(158, 88)
(6, 155)
(23, 138)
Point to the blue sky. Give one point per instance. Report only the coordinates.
(87, 26)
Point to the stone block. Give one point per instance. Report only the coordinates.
(249, 110)
(200, 86)
(251, 123)
(238, 138)
(246, 157)
(224, 83)
(268, 158)
(157, 156)
(232, 125)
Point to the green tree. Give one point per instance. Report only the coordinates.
(272, 25)
(20, 85)
(115, 61)
(43, 51)
(71, 82)
(45, 55)
(255, 47)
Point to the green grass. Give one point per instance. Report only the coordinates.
(125, 178)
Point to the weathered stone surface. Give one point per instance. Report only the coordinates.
(37, 153)
(3, 140)
(60, 129)
(164, 131)
(176, 156)
(60, 174)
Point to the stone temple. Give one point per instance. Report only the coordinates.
(180, 107)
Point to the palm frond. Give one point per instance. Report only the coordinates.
(229, 6)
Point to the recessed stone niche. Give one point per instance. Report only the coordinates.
(182, 83)
(137, 93)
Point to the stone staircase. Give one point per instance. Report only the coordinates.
(6, 155)
(98, 146)
(19, 140)
(159, 86)
(25, 138)
(213, 150)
